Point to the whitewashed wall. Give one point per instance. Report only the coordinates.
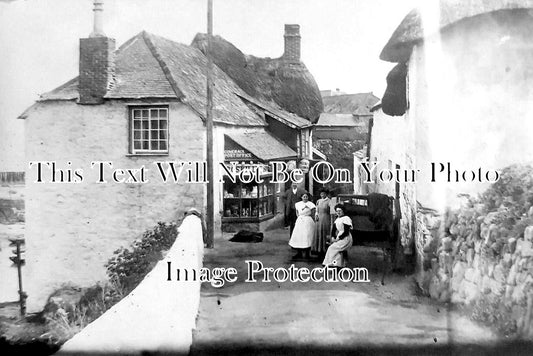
(392, 143)
(158, 315)
(471, 98)
(73, 229)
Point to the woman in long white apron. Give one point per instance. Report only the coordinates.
(341, 240)
(304, 228)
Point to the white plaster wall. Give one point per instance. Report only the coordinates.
(471, 98)
(393, 139)
(157, 316)
(73, 229)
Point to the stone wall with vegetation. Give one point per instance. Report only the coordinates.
(155, 304)
(481, 256)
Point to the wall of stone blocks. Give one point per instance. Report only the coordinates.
(467, 257)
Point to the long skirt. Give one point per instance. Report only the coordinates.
(322, 232)
(304, 230)
(335, 255)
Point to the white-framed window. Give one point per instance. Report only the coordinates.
(149, 129)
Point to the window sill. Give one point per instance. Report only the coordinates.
(155, 154)
(228, 219)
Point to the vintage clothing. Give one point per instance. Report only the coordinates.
(304, 228)
(323, 226)
(290, 198)
(335, 255)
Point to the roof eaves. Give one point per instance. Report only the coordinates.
(232, 124)
(376, 107)
(202, 115)
(53, 94)
(319, 153)
(272, 114)
(286, 122)
(27, 112)
(42, 100)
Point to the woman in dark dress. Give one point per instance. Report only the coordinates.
(323, 225)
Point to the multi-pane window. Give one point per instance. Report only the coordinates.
(249, 200)
(149, 130)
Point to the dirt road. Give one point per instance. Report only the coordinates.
(306, 318)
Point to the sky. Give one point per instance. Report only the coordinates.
(341, 42)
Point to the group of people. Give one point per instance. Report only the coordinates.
(322, 229)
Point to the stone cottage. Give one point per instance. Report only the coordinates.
(458, 107)
(142, 103)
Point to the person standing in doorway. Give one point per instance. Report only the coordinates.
(290, 198)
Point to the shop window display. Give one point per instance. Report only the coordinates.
(248, 200)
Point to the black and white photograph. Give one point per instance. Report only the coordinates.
(266, 177)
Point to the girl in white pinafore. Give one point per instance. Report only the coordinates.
(304, 228)
(341, 241)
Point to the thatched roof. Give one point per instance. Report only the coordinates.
(355, 104)
(398, 48)
(410, 31)
(288, 84)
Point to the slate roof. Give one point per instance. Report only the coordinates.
(67, 91)
(354, 104)
(187, 66)
(262, 145)
(138, 73)
(149, 66)
(410, 30)
(329, 119)
(278, 113)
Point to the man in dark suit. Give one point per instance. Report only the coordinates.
(290, 198)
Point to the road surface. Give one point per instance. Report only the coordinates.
(314, 318)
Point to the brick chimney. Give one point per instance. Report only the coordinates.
(292, 43)
(96, 61)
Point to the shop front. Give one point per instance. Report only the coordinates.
(252, 205)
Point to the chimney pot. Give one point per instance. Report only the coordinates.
(292, 43)
(98, 21)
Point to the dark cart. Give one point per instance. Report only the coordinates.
(376, 219)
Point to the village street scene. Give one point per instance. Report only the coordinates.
(266, 177)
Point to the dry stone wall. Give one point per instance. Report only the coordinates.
(472, 258)
(481, 255)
